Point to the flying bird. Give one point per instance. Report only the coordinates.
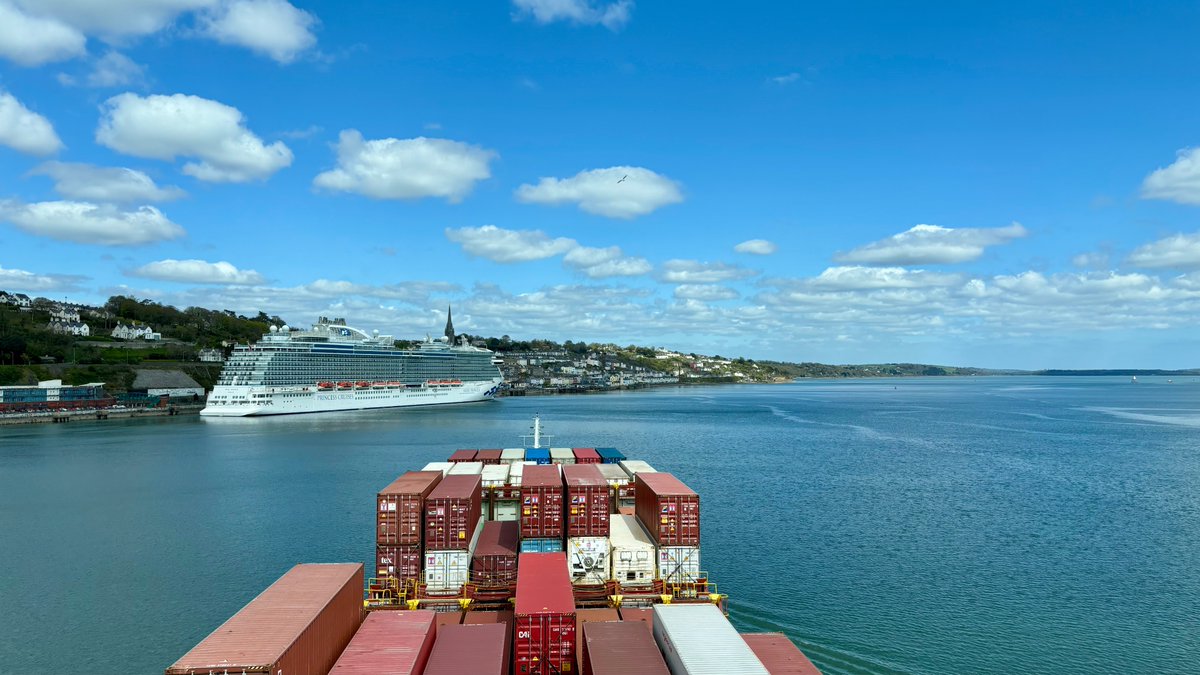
(623, 178)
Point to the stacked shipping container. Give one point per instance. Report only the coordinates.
(545, 616)
(452, 511)
(542, 503)
(587, 524)
(399, 528)
(586, 455)
(397, 643)
(620, 648)
(670, 511)
(495, 558)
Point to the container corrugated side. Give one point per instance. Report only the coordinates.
(587, 501)
(400, 562)
(642, 615)
(396, 643)
(502, 617)
(399, 507)
(466, 469)
(477, 649)
(544, 643)
(539, 455)
(621, 648)
(779, 655)
(609, 455)
(510, 455)
(463, 455)
(495, 475)
(299, 624)
(546, 545)
(451, 511)
(447, 570)
(542, 502)
(489, 455)
(495, 558)
(562, 456)
(586, 616)
(634, 553)
(679, 564)
(586, 455)
(588, 560)
(699, 640)
(444, 467)
(669, 509)
(614, 475)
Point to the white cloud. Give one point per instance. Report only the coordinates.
(24, 130)
(1179, 182)
(412, 292)
(786, 79)
(705, 292)
(197, 272)
(14, 280)
(105, 184)
(858, 278)
(756, 247)
(611, 15)
(1093, 260)
(1181, 251)
(601, 263)
(114, 19)
(87, 223)
(31, 40)
(508, 246)
(696, 272)
(615, 192)
(114, 69)
(166, 127)
(931, 244)
(412, 168)
(271, 27)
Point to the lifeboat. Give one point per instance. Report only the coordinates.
(344, 385)
(362, 384)
(379, 385)
(324, 385)
(395, 384)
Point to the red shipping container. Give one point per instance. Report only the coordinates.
(477, 649)
(448, 619)
(495, 558)
(621, 648)
(586, 455)
(400, 507)
(463, 456)
(669, 509)
(400, 562)
(585, 616)
(542, 502)
(641, 614)
(503, 617)
(587, 501)
(452, 511)
(779, 655)
(392, 642)
(299, 624)
(545, 614)
(491, 456)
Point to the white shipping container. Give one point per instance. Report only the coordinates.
(466, 468)
(634, 555)
(447, 571)
(444, 467)
(635, 466)
(516, 472)
(614, 474)
(679, 564)
(698, 640)
(562, 456)
(508, 509)
(495, 475)
(512, 455)
(587, 560)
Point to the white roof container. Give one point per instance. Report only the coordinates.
(699, 640)
(562, 456)
(512, 455)
(466, 469)
(636, 466)
(444, 467)
(614, 474)
(495, 475)
(633, 554)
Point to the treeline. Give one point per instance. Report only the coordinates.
(876, 370)
(200, 326)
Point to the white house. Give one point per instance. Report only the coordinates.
(132, 332)
(211, 355)
(75, 328)
(65, 313)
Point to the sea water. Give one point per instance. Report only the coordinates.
(942, 526)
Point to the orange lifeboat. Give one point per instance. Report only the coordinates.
(325, 385)
(344, 385)
(362, 384)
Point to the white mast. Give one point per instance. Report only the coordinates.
(537, 432)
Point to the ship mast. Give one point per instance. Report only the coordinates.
(537, 432)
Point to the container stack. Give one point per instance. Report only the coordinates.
(453, 520)
(512, 455)
(634, 555)
(495, 557)
(489, 456)
(670, 511)
(544, 643)
(586, 455)
(398, 643)
(463, 455)
(479, 649)
(610, 455)
(399, 512)
(587, 524)
(632, 467)
(541, 509)
(562, 456)
(537, 455)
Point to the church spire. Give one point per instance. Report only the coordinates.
(449, 325)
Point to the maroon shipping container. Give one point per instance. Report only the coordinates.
(619, 648)
(503, 617)
(452, 511)
(299, 624)
(400, 507)
(400, 562)
(586, 455)
(477, 649)
(642, 614)
(448, 619)
(587, 501)
(585, 616)
(542, 502)
(463, 456)
(669, 509)
(779, 655)
(495, 558)
(396, 643)
(490, 456)
(545, 613)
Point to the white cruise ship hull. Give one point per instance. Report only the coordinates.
(248, 401)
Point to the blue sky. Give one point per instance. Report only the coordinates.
(1000, 186)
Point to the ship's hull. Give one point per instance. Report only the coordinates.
(250, 401)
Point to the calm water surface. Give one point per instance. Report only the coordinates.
(935, 526)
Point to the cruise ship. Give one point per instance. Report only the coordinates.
(333, 366)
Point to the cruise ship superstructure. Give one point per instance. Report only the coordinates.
(333, 366)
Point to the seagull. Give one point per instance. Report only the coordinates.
(623, 179)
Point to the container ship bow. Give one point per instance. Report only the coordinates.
(333, 366)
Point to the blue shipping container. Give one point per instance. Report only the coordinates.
(539, 455)
(541, 546)
(610, 456)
